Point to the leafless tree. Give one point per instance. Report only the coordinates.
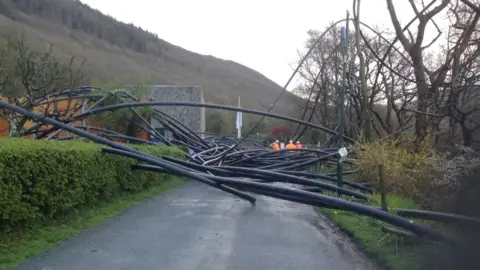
(365, 119)
(319, 75)
(387, 101)
(36, 81)
(458, 99)
(430, 81)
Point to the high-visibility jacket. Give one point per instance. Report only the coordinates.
(290, 146)
(299, 146)
(275, 146)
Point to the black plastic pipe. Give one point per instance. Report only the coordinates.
(114, 134)
(269, 177)
(206, 105)
(320, 200)
(436, 216)
(280, 152)
(281, 177)
(329, 178)
(118, 146)
(179, 170)
(310, 162)
(181, 126)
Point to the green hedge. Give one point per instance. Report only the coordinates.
(41, 180)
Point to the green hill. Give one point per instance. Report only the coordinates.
(113, 49)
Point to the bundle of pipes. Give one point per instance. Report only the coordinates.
(231, 165)
(240, 166)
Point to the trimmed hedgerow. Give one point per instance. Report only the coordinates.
(41, 180)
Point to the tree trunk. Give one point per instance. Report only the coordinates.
(421, 119)
(467, 136)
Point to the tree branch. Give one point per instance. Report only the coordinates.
(396, 24)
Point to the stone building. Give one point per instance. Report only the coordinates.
(192, 117)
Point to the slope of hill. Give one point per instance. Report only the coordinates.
(117, 50)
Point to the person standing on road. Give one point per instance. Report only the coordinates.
(290, 145)
(276, 145)
(298, 145)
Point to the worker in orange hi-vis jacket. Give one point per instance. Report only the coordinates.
(290, 145)
(298, 145)
(276, 145)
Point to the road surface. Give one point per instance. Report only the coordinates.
(198, 227)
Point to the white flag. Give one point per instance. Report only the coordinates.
(239, 116)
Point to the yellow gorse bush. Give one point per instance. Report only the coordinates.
(408, 166)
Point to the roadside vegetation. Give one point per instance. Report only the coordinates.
(53, 190)
(413, 104)
(413, 179)
(388, 249)
(50, 191)
(415, 114)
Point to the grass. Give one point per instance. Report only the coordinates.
(15, 248)
(390, 251)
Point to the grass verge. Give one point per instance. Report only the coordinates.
(15, 248)
(391, 251)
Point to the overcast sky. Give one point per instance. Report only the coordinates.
(261, 34)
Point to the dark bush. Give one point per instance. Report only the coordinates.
(41, 180)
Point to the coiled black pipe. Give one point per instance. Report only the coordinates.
(124, 149)
(179, 170)
(436, 216)
(315, 199)
(199, 167)
(329, 178)
(206, 105)
(182, 127)
(307, 163)
(180, 131)
(153, 132)
(114, 134)
(150, 133)
(274, 153)
(270, 177)
(179, 134)
(281, 177)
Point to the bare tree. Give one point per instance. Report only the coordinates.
(387, 102)
(363, 83)
(458, 99)
(34, 81)
(393, 90)
(429, 80)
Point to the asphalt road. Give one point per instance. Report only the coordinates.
(198, 227)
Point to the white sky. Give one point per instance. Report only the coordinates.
(261, 34)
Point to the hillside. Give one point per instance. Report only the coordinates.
(113, 49)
